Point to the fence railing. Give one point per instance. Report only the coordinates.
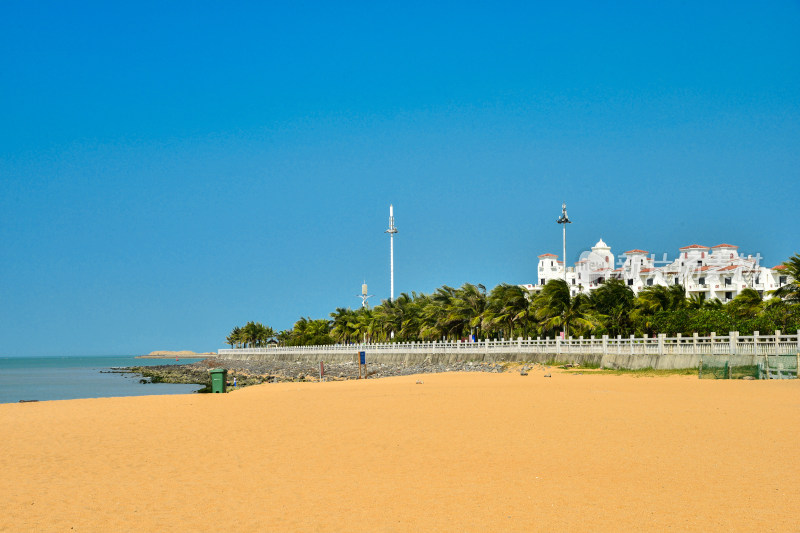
(730, 344)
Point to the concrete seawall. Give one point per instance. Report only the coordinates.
(616, 361)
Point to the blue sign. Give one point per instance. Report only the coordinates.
(363, 356)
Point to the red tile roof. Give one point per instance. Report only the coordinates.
(548, 255)
(694, 246)
(779, 267)
(645, 270)
(729, 267)
(723, 246)
(637, 252)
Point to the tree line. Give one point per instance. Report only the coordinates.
(509, 311)
(251, 335)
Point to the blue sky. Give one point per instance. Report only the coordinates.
(170, 171)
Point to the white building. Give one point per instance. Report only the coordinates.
(718, 272)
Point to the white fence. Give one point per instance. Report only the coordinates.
(731, 344)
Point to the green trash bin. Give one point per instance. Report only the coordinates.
(219, 378)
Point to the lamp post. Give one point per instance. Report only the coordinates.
(564, 220)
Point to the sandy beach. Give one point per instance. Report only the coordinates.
(459, 452)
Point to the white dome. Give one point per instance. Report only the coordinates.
(601, 244)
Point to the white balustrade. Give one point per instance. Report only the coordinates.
(714, 344)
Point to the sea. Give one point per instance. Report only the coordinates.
(72, 377)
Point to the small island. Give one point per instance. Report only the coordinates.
(166, 354)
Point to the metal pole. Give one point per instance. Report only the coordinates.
(391, 231)
(391, 267)
(564, 227)
(564, 220)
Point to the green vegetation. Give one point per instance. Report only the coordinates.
(252, 335)
(639, 373)
(791, 291)
(715, 370)
(510, 311)
(709, 372)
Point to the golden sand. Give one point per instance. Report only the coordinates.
(459, 452)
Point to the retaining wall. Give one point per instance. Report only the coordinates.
(621, 361)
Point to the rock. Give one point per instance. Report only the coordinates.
(523, 373)
(254, 372)
(547, 375)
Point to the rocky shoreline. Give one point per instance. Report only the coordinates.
(256, 372)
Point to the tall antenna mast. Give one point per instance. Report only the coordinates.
(391, 231)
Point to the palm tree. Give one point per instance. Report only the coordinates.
(660, 298)
(299, 332)
(412, 317)
(267, 334)
(250, 334)
(284, 337)
(506, 307)
(342, 320)
(390, 316)
(655, 299)
(696, 301)
(363, 325)
(467, 307)
(613, 301)
(556, 309)
(790, 292)
(253, 334)
(748, 303)
(318, 332)
(435, 321)
(235, 337)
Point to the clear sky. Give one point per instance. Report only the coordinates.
(169, 170)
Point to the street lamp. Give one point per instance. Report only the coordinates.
(564, 220)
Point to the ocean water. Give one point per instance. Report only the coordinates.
(71, 377)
